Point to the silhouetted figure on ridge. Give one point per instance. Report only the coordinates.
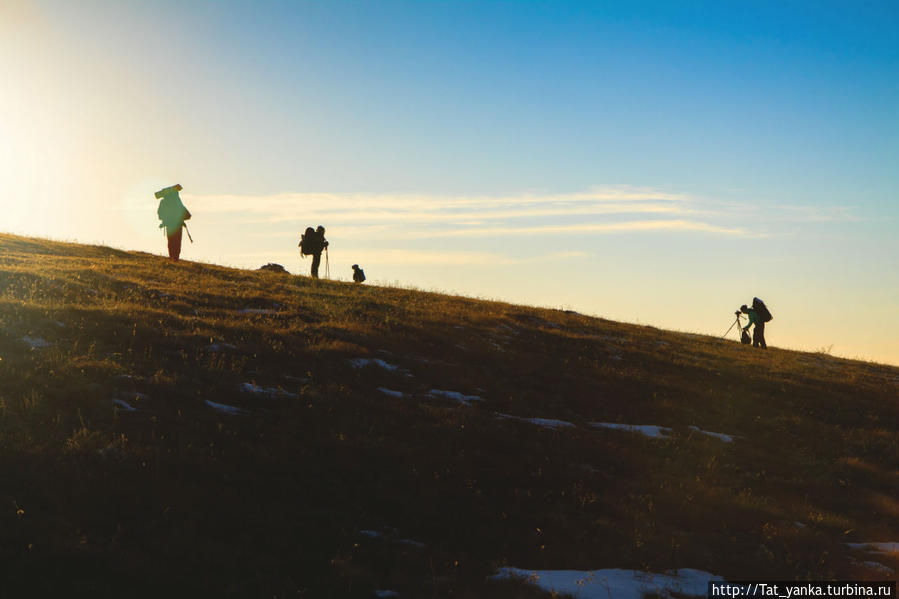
(358, 274)
(758, 315)
(313, 243)
(172, 213)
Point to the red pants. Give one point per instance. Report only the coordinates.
(175, 245)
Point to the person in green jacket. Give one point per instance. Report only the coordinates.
(758, 334)
(172, 213)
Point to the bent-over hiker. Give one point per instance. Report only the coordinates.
(313, 243)
(172, 213)
(358, 274)
(758, 333)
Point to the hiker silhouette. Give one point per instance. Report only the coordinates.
(313, 243)
(172, 213)
(358, 274)
(758, 333)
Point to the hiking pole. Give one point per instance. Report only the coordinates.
(327, 265)
(188, 232)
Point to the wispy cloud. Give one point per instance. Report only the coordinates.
(621, 227)
(289, 204)
(415, 216)
(599, 211)
(463, 258)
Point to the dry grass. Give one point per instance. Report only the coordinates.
(175, 498)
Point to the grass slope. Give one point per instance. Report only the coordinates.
(179, 498)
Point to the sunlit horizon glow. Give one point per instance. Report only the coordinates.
(659, 164)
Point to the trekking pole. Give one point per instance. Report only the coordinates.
(327, 265)
(188, 232)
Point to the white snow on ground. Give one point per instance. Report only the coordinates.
(225, 409)
(219, 347)
(879, 567)
(876, 547)
(463, 399)
(270, 391)
(390, 392)
(124, 405)
(544, 422)
(650, 430)
(384, 594)
(257, 311)
(614, 583)
(362, 362)
(722, 436)
(36, 342)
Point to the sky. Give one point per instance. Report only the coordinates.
(651, 162)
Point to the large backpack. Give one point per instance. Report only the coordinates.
(309, 242)
(762, 310)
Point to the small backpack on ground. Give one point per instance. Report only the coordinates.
(763, 311)
(308, 241)
(272, 267)
(745, 339)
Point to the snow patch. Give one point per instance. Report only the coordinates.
(544, 422)
(390, 392)
(650, 430)
(371, 534)
(615, 583)
(411, 543)
(232, 410)
(363, 362)
(220, 347)
(36, 342)
(721, 436)
(269, 391)
(124, 405)
(463, 399)
(879, 567)
(876, 547)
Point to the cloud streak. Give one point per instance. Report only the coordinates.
(395, 219)
(586, 228)
(612, 209)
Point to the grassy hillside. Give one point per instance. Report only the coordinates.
(192, 430)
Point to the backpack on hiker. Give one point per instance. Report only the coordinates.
(762, 310)
(310, 242)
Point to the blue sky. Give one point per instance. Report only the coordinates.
(655, 162)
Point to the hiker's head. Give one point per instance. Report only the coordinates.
(320, 230)
(744, 309)
(355, 267)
